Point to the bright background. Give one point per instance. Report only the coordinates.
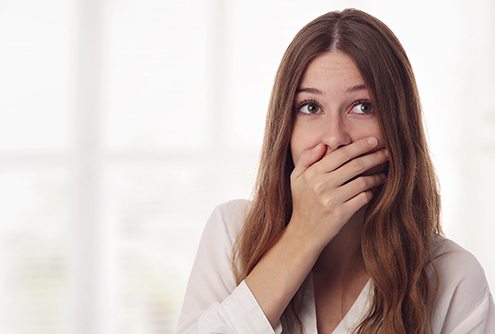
(124, 122)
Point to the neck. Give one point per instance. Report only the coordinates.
(342, 257)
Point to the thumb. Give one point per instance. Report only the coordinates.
(308, 158)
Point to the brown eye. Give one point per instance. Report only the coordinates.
(362, 108)
(309, 108)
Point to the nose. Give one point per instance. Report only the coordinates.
(335, 134)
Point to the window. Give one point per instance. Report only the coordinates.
(124, 123)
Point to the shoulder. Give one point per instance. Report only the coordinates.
(227, 218)
(212, 279)
(463, 300)
(455, 264)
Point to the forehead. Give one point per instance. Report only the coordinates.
(331, 71)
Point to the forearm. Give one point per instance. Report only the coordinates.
(279, 274)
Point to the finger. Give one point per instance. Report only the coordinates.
(359, 185)
(344, 154)
(357, 202)
(358, 166)
(308, 158)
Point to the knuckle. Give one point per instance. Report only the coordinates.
(366, 196)
(319, 187)
(347, 153)
(363, 182)
(339, 213)
(328, 201)
(358, 165)
(345, 156)
(382, 156)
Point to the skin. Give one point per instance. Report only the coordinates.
(337, 148)
(334, 110)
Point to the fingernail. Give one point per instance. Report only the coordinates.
(372, 141)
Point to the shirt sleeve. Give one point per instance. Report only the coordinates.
(465, 304)
(479, 320)
(213, 302)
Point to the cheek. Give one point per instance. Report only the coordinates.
(301, 140)
(367, 129)
(294, 148)
(376, 128)
(377, 133)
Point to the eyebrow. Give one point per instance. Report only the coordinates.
(316, 91)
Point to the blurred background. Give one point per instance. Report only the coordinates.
(123, 123)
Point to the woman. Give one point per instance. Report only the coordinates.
(343, 231)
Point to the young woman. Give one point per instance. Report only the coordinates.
(342, 234)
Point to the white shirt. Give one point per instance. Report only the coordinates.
(214, 303)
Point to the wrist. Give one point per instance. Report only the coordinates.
(307, 243)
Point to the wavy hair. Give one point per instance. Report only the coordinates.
(402, 220)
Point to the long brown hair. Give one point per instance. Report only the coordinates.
(402, 221)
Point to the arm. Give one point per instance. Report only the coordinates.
(322, 193)
(323, 201)
(213, 302)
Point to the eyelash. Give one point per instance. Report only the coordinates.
(305, 102)
(312, 101)
(358, 102)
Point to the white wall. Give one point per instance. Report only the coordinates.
(123, 123)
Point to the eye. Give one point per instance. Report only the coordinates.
(308, 107)
(362, 107)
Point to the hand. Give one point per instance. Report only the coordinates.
(328, 190)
